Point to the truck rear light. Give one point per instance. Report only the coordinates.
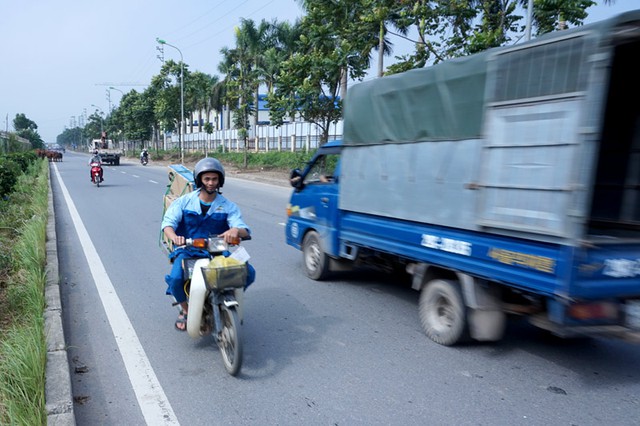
(595, 310)
(288, 210)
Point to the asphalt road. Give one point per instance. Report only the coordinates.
(349, 351)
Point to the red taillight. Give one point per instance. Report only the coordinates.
(200, 243)
(591, 311)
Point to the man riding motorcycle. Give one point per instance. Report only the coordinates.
(144, 156)
(96, 159)
(199, 214)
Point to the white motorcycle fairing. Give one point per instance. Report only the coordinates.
(197, 295)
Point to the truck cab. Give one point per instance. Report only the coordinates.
(313, 214)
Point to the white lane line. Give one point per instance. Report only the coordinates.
(124, 173)
(135, 176)
(152, 181)
(153, 402)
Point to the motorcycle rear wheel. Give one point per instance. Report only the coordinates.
(230, 340)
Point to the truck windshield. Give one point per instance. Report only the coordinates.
(323, 169)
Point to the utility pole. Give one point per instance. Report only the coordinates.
(180, 133)
(109, 100)
(161, 55)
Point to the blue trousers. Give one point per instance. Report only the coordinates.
(175, 278)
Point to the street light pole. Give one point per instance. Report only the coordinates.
(114, 88)
(119, 131)
(180, 137)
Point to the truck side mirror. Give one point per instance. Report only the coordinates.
(295, 178)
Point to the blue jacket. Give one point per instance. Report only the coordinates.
(184, 215)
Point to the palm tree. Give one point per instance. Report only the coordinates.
(217, 100)
(200, 85)
(210, 101)
(255, 40)
(385, 13)
(228, 69)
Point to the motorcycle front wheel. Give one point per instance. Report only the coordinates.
(230, 340)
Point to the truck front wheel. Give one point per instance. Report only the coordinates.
(443, 312)
(316, 262)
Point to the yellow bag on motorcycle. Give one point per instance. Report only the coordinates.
(224, 272)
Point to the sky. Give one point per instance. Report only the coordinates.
(59, 57)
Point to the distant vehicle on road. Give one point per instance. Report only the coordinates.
(108, 150)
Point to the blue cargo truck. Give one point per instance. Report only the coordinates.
(506, 183)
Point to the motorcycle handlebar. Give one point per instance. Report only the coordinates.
(211, 243)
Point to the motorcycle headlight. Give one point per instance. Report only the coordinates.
(217, 244)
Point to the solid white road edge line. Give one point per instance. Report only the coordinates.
(152, 400)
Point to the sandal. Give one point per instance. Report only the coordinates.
(181, 322)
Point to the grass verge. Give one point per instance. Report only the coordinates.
(273, 160)
(23, 219)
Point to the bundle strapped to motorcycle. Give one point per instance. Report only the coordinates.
(180, 182)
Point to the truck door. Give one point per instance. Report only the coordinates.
(314, 205)
(532, 159)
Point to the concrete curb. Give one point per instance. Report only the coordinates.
(58, 395)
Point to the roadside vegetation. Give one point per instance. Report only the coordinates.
(23, 219)
(267, 161)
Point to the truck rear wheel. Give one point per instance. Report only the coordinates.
(443, 312)
(316, 261)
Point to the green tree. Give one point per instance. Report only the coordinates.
(553, 15)
(216, 100)
(135, 117)
(27, 129)
(228, 69)
(451, 28)
(167, 95)
(94, 127)
(211, 100)
(197, 95)
(241, 80)
(332, 46)
(70, 137)
(256, 40)
(282, 44)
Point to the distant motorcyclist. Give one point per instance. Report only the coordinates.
(144, 156)
(96, 159)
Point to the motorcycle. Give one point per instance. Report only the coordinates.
(215, 298)
(95, 174)
(144, 160)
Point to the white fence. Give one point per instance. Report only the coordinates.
(297, 136)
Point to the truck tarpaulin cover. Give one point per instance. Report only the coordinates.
(494, 141)
(444, 101)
